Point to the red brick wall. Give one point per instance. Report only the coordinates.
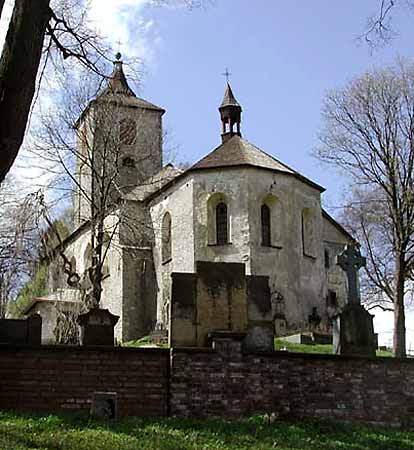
(209, 384)
(64, 379)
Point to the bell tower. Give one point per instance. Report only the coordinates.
(119, 144)
(230, 114)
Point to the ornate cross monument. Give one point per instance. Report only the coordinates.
(353, 326)
(350, 260)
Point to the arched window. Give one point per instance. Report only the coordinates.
(221, 224)
(266, 231)
(166, 238)
(308, 232)
(105, 254)
(128, 162)
(87, 257)
(327, 259)
(73, 264)
(127, 131)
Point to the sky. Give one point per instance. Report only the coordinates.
(283, 57)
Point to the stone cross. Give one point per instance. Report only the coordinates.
(350, 260)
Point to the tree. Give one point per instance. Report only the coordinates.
(19, 241)
(99, 164)
(369, 133)
(379, 29)
(31, 22)
(58, 26)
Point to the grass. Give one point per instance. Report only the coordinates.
(51, 432)
(317, 348)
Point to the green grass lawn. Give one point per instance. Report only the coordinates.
(302, 348)
(29, 432)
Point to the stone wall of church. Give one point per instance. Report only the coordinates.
(294, 257)
(179, 204)
(294, 260)
(127, 138)
(336, 289)
(296, 278)
(78, 251)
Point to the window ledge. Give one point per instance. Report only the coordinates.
(314, 258)
(219, 245)
(164, 263)
(279, 247)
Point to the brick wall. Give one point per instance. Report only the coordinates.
(65, 379)
(209, 383)
(230, 384)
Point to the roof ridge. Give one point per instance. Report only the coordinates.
(270, 156)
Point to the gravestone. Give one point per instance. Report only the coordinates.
(219, 297)
(104, 405)
(97, 327)
(353, 328)
(19, 331)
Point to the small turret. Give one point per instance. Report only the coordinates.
(230, 113)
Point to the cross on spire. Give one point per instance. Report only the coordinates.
(350, 260)
(227, 74)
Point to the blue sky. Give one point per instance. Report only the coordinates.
(284, 56)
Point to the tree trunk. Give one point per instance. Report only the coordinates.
(19, 65)
(399, 311)
(1, 7)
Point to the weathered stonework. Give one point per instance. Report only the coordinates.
(297, 282)
(297, 255)
(219, 298)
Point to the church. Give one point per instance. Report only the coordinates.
(238, 204)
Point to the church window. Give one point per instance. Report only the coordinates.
(105, 255)
(266, 231)
(327, 260)
(166, 238)
(221, 224)
(128, 162)
(87, 257)
(308, 233)
(127, 131)
(332, 299)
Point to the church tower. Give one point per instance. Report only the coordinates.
(230, 113)
(119, 144)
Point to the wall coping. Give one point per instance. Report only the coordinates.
(202, 350)
(86, 348)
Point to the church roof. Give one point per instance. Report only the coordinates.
(118, 87)
(153, 184)
(119, 92)
(239, 152)
(229, 99)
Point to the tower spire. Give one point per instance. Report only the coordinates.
(117, 83)
(230, 114)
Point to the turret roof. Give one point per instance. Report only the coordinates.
(229, 99)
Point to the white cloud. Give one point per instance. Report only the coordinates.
(5, 18)
(126, 21)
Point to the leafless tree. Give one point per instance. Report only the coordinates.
(57, 27)
(379, 29)
(94, 165)
(369, 133)
(19, 241)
